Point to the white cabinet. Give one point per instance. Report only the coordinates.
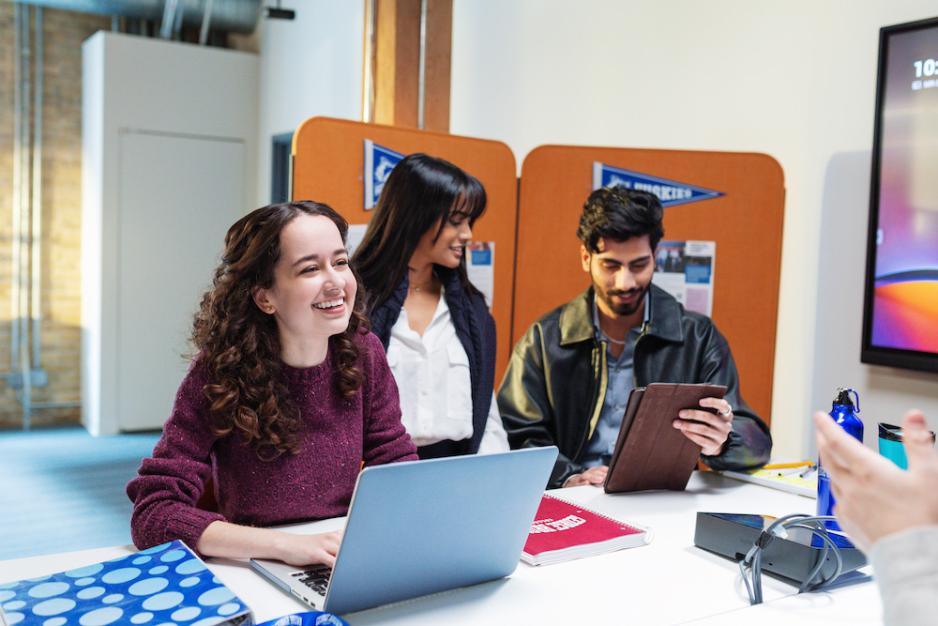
(169, 145)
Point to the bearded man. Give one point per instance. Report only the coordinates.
(569, 378)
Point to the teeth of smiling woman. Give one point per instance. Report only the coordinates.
(328, 305)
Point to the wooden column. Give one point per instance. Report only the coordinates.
(395, 62)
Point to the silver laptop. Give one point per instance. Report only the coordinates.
(420, 527)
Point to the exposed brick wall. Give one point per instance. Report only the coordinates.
(64, 33)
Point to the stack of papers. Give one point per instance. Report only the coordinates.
(801, 483)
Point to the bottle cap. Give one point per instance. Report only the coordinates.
(843, 397)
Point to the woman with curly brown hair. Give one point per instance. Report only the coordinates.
(289, 393)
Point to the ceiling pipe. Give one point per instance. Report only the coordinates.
(16, 239)
(35, 266)
(233, 16)
(206, 22)
(20, 279)
(169, 18)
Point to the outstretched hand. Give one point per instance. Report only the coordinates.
(874, 497)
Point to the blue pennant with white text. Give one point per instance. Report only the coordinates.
(670, 192)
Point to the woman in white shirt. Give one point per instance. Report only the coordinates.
(435, 325)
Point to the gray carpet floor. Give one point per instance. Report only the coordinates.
(63, 490)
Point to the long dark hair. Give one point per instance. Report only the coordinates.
(239, 345)
(420, 192)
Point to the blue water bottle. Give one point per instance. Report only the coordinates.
(844, 412)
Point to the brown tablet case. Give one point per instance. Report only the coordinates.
(650, 453)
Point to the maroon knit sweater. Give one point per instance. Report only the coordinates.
(317, 482)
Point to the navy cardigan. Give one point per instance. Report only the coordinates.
(476, 331)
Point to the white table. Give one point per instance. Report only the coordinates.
(667, 582)
(858, 605)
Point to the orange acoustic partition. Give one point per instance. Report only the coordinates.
(740, 206)
(329, 166)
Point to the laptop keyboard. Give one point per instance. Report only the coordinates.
(316, 578)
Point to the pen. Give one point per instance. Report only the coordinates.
(795, 472)
(803, 473)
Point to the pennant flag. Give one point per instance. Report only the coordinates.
(379, 161)
(670, 192)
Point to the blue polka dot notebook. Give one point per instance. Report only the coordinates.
(164, 585)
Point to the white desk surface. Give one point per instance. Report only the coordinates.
(667, 582)
(858, 605)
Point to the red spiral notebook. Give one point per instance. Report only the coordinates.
(563, 531)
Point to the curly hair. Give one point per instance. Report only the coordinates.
(239, 345)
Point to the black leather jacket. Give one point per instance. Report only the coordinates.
(554, 388)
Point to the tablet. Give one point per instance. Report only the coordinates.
(650, 453)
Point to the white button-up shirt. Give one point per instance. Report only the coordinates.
(432, 375)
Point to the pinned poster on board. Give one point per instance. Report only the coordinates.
(670, 192)
(480, 267)
(685, 270)
(379, 161)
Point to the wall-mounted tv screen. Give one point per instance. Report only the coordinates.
(900, 321)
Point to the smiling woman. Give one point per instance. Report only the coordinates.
(435, 325)
(312, 294)
(287, 393)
